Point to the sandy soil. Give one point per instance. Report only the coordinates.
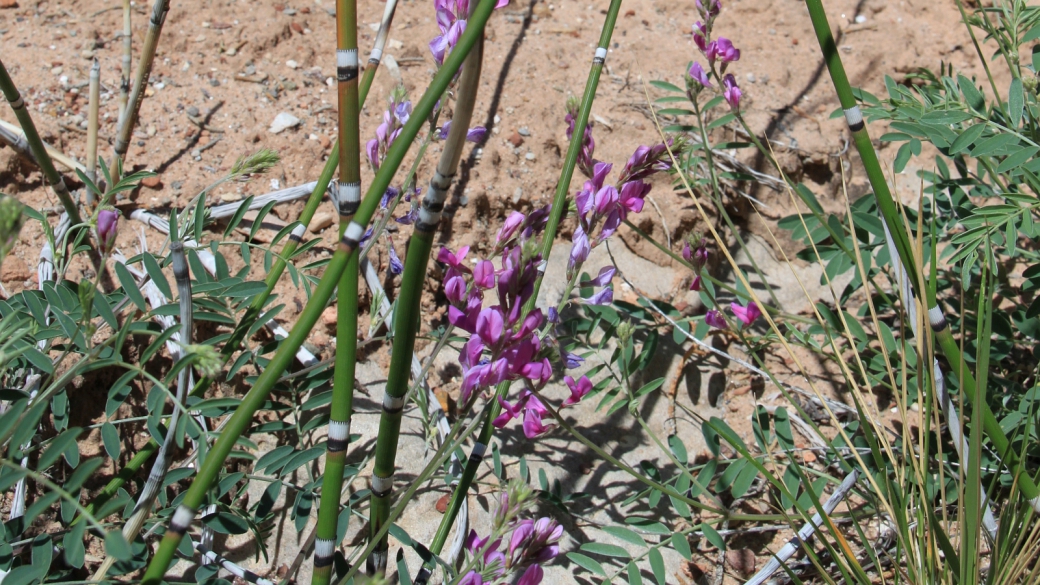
(235, 65)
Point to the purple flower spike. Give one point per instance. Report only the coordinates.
(732, 93)
(715, 319)
(714, 7)
(578, 388)
(748, 314)
(698, 74)
(107, 224)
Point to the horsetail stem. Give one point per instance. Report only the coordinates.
(555, 215)
(348, 199)
(256, 396)
(406, 315)
(43, 158)
(92, 127)
(128, 42)
(255, 308)
(897, 228)
(128, 117)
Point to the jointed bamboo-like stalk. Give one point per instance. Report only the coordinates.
(556, 214)
(406, 314)
(128, 117)
(13, 136)
(128, 43)
(348, 199)
(92, 127)
(901, 241)
(239, 421)
(54, 180)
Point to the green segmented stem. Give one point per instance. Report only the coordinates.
(43, 158)
(559, 206)
(128, 117)
(406, 315)
(252, 313)
(256, 396)
(901, 238)
(346, 296)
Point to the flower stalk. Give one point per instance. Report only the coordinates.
(576, 147)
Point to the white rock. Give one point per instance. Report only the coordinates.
(291, 64)
(283, 121)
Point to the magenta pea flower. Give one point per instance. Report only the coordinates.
(700, 36)
(476, 134)
(722, 50)
(580, 247)
(509, 227)
(484, 274)
(715, 319)
(578, 388)
(107, 224)
(699, 75)
(632, 197)
(713, 9)
(532, 576)
(696, 284)
(534, 410)
(454, 259)
(731, 92)
(748, 314)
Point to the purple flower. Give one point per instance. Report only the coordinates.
(532, 576)
(700, 36)
(698, 75)
(455, 289)
(484, 274)
(472, 578)
(588, 145)
(509, 228)
(732, 93)
(578, 388)
(632, 195)
(604, 297)
(535, 541)
(696, 284)
(491, 325)
(580, 248)
(571, 361)
(554, 315)
(645, 161)
(714, 7)
(534, 410)
(107, 224)
(372, 149)
(715, 319)
(602, 279)
(723, 50)
(452, 259)
(396, 267)
(476, 134)
(748, 314)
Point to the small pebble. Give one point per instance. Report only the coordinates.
(289, 12)
(751, 77)
(282, 121)
(150, 130)
(152, 182)
(524, 131)
(87, 54)
(193, 111)
(772, 31)
(517, 195)
(291, 64)
(320, 221)
(860, 19)
(497, 118)
(529, 156)
(56, 71)
(214, 83)
(515, 139)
